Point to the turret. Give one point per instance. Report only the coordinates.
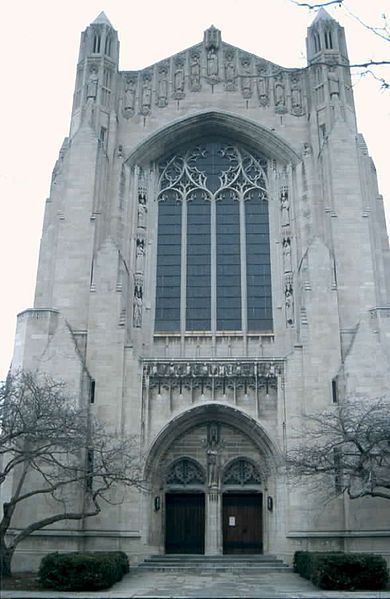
(331, 87)
(96, 76)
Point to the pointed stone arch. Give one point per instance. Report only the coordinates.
(200, 414)
(226, 124)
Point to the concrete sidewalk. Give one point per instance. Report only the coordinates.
(170, 584)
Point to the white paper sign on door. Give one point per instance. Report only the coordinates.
(232, 520)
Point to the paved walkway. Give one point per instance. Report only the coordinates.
(170, 584)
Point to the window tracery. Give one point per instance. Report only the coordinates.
(241, 472)
(185, 472)
(213, 262)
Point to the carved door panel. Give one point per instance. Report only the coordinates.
(242, 523)
(184, 523)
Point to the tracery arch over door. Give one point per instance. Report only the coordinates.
(213, 255)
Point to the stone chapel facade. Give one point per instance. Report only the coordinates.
(214, 264)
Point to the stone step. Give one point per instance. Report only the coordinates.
(220, 563)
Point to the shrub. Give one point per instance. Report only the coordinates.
(338, 571)
(89, 571)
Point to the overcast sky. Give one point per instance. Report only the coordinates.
(39, 46)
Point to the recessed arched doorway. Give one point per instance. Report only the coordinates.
(210, 472)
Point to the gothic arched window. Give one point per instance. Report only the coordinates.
(185, 471)
(213, 254)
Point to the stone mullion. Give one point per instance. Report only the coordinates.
(213, 265)
(183, 269)
(244, 298)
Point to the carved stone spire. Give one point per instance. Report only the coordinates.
(212, 38)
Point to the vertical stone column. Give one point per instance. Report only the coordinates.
(213, 532)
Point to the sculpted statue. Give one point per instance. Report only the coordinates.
(146, 100)
(178, 79)
(212, 63)
(129, 97)
(262, 86)
(92, 85)
(246, 83)
(284, 207)
(195, 72)
(162, 88)
(137, 307)
(334, 85)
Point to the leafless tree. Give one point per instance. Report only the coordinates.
(380, 30)
(53, 451)
(346, 449)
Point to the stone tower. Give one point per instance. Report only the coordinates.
(214, 262)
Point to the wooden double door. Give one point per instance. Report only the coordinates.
(242, 523)
(184, 522)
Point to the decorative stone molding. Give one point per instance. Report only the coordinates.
(216, 374)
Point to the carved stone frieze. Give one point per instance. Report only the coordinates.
(211, 375)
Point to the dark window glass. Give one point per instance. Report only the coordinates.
(167, 316)
(228, 265)
(258, 264)
(198, 309)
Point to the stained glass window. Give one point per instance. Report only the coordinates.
(213, 254)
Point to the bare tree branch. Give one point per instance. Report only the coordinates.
(46, 442)
(346, 449)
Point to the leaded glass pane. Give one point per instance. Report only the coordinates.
(259, 304)
(198, 301)
(167, 316)
(228, 264)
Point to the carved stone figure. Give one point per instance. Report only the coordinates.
(284, 207)
(140, 256)
(137, 306)
(246, 81)
(262, 85)
(212, 64)
(289, 304)
(195, 72)
(92, 85)
(334, 84)
(142, 210)
(162, 87)
(279, 93)
(178, 80)
(129, 97)
(286, 243)
(212, 468)
(230, 72)
(296, 96)
(146, 97)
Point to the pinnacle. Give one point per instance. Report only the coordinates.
(101, 19)
(322, 15)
